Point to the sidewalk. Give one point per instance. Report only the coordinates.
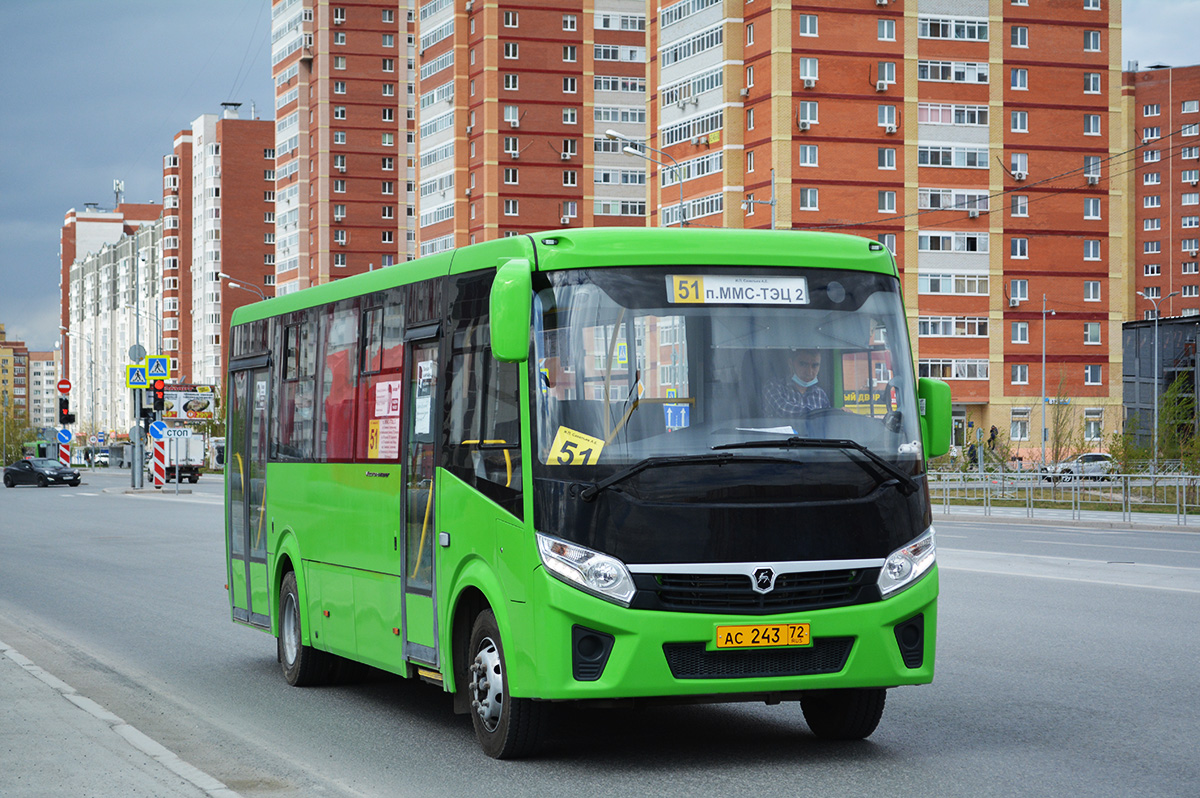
(54, 741)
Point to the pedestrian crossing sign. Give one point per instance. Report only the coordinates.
(135, 377)
(158, 367)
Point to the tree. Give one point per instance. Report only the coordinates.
(1065, 423)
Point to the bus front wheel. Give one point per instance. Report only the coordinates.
(843, 714)
(507, 727)
(303, 665)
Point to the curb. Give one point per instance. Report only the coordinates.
(189, 773)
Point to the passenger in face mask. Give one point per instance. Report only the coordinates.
(798, 392)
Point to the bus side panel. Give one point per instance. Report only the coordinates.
(376, 615)
(491, 552)
(332, 590)
(259, 586)
(237, 583)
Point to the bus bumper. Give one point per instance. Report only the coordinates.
(588, 648)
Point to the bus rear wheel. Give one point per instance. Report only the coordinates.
(303, 666)
(507, 727)
(843, 714)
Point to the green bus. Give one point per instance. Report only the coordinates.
(546, 468)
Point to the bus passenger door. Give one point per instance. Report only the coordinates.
(420, 535)
(246, 467)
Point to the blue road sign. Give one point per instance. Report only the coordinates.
(135, 377)
(64, 436)
(158, 367)
(677, 416)
(158, 429)
(100, 437)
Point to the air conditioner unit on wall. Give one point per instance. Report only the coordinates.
(803, 125)
(516, 156)
(889, 128)
(1019, 176)
(974, 214)
(881, 2)
(566, 156)
(564, 220)
(881, 85)
(1013, 302)
(1093, 179)
(810, 82)
(468, 192)
(744, 92)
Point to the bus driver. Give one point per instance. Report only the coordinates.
(797, 393)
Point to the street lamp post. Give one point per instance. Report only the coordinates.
(91, 374)
(234, 284)
(1044, 312)
(1157, 377)
(630, 149)
(746, 203)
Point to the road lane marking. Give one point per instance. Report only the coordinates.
(1179, 579)
(1110, 546)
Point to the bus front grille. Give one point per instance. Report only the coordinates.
(694, 661)
(732, 593)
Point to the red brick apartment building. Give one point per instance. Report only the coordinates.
(1164, 110)
(343, 139)
(232, 232)
(973, 137)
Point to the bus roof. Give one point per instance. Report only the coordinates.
(598, 247)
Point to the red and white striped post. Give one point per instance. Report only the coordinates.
(160, 463)
(64, 454)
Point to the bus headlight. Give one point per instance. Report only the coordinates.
(907, 564)
(588, 570)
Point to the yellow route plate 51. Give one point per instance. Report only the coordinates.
(763, 635)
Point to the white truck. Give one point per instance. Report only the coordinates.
(185, 458)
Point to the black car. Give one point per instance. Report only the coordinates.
(40, 471)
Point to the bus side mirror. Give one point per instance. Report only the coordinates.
(934, 396)
(510, 304)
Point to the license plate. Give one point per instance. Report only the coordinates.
(763, 635)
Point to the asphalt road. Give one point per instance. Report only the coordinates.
(1067, 664)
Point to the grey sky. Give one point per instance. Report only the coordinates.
(96, 91)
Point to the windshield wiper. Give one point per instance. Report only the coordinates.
(590, 492)
(908, 485)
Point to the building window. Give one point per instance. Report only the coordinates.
(339, 87)
(1091, 125)
(1091, 249)
(339, 62)
(1019, 420)
(1020, 122)
(1091, 290)
(1020, 205)
(1019, 248)
(570, 177)
(886, 31)
(570, 86)
(1091, 82)
(511, 51)
(1093, 417)
(1020, 376)
(511, 207)
(808, 155)
(569, 22)
(569, 116)
(339, 112)
(339, 186)
(511, 176)
(808, 199)
(887, 201)
(808, 24)
(510, 19)
(389, 65)
(389, 40)
(1091, 41)
(1019, 290)
(1091, 208)
(1020, 332)
(570, 53)
(1091, 332)
(1152, 270)
(1020, 79)
(1020, 36)
(1091, 375)
(886, 157)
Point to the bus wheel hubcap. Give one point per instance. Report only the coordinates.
(291, 638)
(487, 684)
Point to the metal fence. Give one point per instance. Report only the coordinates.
(1163, 498)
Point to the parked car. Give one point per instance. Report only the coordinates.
(40, 471)
(100, 459)
(1091, 465)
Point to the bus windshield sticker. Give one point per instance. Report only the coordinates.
(387, 398)
(383, 441)
(732, 290)
(574, 448)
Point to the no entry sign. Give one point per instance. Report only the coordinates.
(64, 387)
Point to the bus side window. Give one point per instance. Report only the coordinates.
(293, 439)
(482, 443)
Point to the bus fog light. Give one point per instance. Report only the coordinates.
(907, 564)
(588, 570)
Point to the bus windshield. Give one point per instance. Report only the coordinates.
(679, 362)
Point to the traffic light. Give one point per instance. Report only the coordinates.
(159, 390)
(64, 410)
